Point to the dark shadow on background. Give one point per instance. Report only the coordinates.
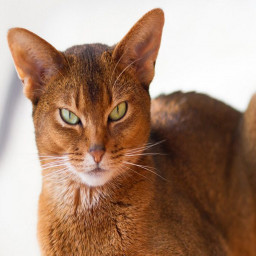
(8, 111)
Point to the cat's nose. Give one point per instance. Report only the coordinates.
(97, 152)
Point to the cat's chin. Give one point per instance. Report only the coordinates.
(96, 177)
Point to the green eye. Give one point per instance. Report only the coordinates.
(118, 112)
(69, 117)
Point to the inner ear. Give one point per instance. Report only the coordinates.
(36, 61)
(138, 50)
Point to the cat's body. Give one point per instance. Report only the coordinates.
(199, 207)
(119, 179)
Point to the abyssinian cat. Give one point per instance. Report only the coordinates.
(123, 175)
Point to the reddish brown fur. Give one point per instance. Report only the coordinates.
(202, 199)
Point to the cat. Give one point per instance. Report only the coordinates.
(124, 175)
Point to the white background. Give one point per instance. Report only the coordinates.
(207, 46)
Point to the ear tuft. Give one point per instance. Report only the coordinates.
(36, 61)
(139, 48)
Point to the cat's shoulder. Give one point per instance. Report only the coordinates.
(192, 109)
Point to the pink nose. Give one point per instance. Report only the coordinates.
(97, 152)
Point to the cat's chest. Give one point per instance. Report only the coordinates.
(96, 231)
(94, 235)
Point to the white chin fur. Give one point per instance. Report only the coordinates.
(92, 179)
(95, 180)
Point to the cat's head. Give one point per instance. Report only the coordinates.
(91, 105)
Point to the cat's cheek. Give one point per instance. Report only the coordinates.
(138, 134)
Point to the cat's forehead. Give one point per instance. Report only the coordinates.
(87, 73)
(93, 76)
(87, 60)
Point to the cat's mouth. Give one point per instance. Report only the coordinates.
(97, 171)
(95, 177)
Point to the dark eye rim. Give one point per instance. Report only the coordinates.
(78, 121)
(126, 108)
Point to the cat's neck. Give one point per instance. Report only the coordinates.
(75, 198)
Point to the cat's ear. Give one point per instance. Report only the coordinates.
(138, 50)
(36, 61)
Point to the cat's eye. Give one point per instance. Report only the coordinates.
(69, 117)
(118, 112)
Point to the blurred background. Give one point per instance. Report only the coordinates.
(208, 46)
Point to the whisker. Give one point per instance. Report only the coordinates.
(146, 168)
(55, 176)
(141, 147)
(55, 172)
(146, 147)
(51, 157)
(145, 154)
(69, 66)
(110, 80)
(128, 168)
(125, 70)
(54, 166)
(57, 161)
(55, 155)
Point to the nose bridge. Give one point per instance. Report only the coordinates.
(97, 135)
(96, 147)
(97, 143)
